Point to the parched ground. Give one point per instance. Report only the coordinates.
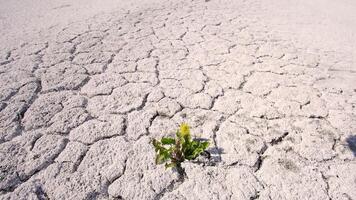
(80, 104)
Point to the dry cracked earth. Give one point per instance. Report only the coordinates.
(79, 107)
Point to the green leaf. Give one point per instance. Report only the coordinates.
(160, 159)
(170, 165)
(166, 140)
(205, 145)
(162, 156)
(157, 145)
(194, 149)
(197, 152)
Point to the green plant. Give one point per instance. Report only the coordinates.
(174, 151)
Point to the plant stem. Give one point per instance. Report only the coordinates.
(181, 171)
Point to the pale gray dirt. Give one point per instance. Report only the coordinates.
(272, 85)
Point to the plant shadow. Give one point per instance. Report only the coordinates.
(215, 154)
(351, 142)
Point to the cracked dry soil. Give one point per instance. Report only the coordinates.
(78, 109)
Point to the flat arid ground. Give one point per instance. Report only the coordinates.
(86, 85)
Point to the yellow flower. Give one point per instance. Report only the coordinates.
(184, 130)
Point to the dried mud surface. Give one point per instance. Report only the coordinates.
(79, 107)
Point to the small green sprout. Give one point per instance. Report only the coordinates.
(174, 151)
